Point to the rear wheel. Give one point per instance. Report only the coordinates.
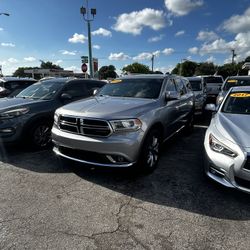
(40, 135)
(150, 152)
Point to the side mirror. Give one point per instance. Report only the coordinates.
(210, 107)
(172, 95)
(66, 97)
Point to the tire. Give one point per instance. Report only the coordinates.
(150, 152)
(40, 135)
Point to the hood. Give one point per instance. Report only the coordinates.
(9, 103)
(109, 107)
(234, 127)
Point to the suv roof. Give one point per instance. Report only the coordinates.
(239, 77)
(139, 76)
(12, 78)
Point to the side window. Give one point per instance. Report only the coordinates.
(187, 84)
(76, 89)
(170, 85)
(180, 86)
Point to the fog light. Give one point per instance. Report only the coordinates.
(7, 130)
(116, 158)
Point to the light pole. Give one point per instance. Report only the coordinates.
(86, 16)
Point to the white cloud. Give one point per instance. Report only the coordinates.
(207, 36)
(168, 51)
(12, 60)
(118, 56)
(146, 55)
(155, 38)
(96, 46)
(69, 53)
(182, 7)
(102, 32)
(134, 22)
(211, 59)
(180, 33)
(238, 23)
(29, 59)
(58, 62)
(74, 68)
(193, 50)
(1, 29)
(77, 38)
(8, 45)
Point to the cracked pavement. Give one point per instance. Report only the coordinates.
(48, 205)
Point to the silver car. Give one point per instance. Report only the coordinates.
(125, 123)
(200, 92)
(227, 141)
(232, 81)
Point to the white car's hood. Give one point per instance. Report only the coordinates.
(234, 127)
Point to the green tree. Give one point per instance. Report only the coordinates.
(205, 68)
(186, 68)
(20, 72)
(107, 72)
(49, 65)
(136, 68)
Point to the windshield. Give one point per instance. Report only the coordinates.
(138, 88)
(237, 103)
(213, 79)
(41, 90)
(236, 82)
(196, 85)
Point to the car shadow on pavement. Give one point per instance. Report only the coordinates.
(179, 182)
(43, 161)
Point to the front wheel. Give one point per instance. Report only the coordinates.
(40, 135)
(150, 152)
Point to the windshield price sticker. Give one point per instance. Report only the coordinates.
(232, 81)
(240, 95)
(116, 81)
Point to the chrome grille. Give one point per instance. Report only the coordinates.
(84, 126)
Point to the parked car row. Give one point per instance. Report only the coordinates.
(127, 120)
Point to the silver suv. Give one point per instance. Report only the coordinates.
(125, 123)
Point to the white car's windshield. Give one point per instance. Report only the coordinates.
(237, 103)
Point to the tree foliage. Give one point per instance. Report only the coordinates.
(49, 65)
(137, 68)
(107, 72)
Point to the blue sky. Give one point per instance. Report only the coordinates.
(123, 32)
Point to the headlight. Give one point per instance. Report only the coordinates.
(126, 125)
(219, 147)
(13, 113)
(56, 117)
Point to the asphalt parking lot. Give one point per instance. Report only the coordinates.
(46, 205)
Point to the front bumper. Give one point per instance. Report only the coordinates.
(117, 150)
(229, 172)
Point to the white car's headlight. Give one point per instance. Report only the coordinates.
(219, 147)
(13, 113)
(126, 125)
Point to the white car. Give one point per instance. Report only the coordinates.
(227, 141)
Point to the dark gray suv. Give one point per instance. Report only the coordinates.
(125, 123)
(28, 117)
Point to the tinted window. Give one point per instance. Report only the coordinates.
(138, 88)
(237, 103)
(180, 86)
(76, 89)
(196, 85)
(236, 82)
(170, 85)
(213, 79)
